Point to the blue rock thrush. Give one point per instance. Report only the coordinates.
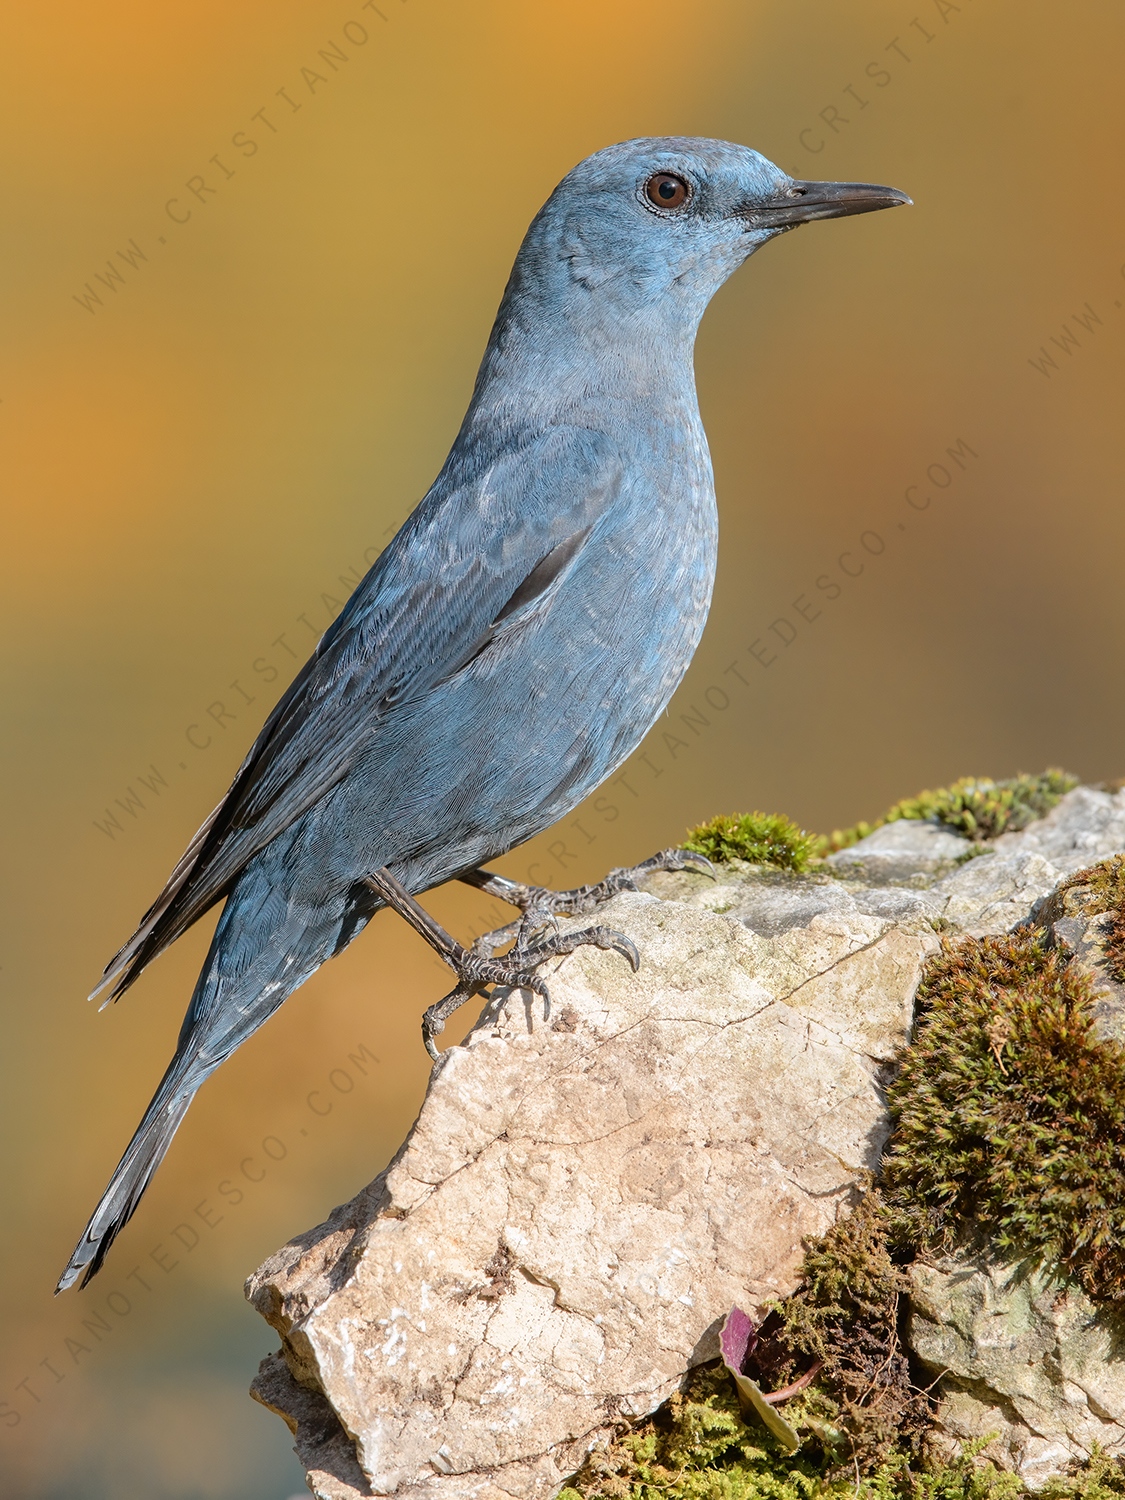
(513, 644)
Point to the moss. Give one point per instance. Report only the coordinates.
(696, 1447)
(1008, 1118)
(1099, 1478)
(976, 807)
(1105, 883)
(758, 838)
(1102, 887)
(846, 1315)
(1008, 1112)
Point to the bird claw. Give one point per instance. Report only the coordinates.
(540, 908)
(515, 970)
(541, 902)
(587, 897)
(685, 860)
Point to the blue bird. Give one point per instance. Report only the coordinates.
(513, 644)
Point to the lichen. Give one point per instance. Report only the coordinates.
(757, 838)
(976, 807)
(1009, 1112)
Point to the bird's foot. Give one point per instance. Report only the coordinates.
(476, 969)
(542, 902)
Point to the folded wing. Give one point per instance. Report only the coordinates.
(480, 550)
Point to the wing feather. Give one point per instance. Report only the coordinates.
(484, 543)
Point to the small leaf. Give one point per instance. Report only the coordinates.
(750, 1398)
(737, 1335)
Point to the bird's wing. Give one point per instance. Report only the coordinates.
(487, 541)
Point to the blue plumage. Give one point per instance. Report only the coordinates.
(520, 634)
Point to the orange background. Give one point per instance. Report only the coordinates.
(266, 391)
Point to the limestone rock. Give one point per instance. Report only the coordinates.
(580, 1202)
(996, 891)
(901, 853)
(1022, 1355)
(772, 902)
(1087, 825)
(1072, 915)
(582, 1199)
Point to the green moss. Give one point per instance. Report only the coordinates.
(1100, 1478)
(1009, 1116)
(976, 807)
(696, 1447)
(1010, 1113)
(758, 838)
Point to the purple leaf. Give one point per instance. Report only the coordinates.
(737, 1338)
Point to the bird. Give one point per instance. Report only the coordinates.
(513, 643)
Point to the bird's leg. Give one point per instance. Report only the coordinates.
(476, 970)
(544, 903)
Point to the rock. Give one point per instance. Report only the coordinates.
(996, 891)
(772, 902)
(1023, 1355)
(1086, 826)
(901, 853)
(322, 1445)
(1074, 917)
(580, 1202)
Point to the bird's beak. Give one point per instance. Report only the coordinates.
(799, 202)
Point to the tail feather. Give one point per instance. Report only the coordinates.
(143, 1155)
(267, 943)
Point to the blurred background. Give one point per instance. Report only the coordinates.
(252, 257)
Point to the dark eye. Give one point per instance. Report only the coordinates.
(667, 191)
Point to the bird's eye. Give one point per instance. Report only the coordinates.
(667, 191)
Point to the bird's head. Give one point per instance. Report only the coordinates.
(664, 221)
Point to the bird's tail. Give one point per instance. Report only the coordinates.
(143, 1155)
(266, 944)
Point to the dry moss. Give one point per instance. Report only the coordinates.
(1009, 1113)
(847, 1315)
(758, 838)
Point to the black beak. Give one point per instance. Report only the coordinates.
(800, 202)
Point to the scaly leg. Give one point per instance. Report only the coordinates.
(476, 970)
